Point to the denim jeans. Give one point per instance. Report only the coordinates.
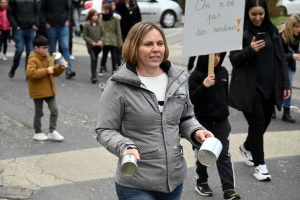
(287, 102)
(76, 16)
(125, 193)
(62, 35)
(22, 37)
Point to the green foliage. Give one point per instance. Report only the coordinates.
(273, 10)
(278, 20)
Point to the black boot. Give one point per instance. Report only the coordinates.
(286, 116)
(94, 78)
(274, 113)
(11, 73)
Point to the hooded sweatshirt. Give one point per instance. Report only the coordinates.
(210, 104)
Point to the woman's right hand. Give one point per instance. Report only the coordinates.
(135, 152)
(257, 45)
(296, 56)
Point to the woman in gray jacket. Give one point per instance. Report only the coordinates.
(144, 110)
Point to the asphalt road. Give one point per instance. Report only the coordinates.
(79, 168)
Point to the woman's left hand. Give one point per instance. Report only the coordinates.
(286, 94)
(134, 152)
(200, 135)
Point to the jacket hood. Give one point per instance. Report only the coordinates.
(202, 62)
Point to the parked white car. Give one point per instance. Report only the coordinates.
(165, 12)
(288, 7)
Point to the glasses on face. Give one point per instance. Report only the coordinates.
(44, 47)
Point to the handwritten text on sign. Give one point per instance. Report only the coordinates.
(212, 26)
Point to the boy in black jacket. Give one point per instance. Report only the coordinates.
(209, 94)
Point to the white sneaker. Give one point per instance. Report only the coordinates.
(55, 136)
(247, 155)
(72, 57)
(261, 173)
(40, 136)
(4, 57)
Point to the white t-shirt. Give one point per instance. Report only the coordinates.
(157, 85)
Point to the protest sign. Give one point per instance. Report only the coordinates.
(212, 26)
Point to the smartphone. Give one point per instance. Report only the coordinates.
(260, 36)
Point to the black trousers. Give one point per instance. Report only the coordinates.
(3, 40)
(94, 54)
(258, 122)
(113, 52)
(224, 163)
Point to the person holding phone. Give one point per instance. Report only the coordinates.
(259, 80)
(290, 36)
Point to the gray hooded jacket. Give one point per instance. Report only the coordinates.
(129, 117)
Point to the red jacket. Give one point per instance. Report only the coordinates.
(4, 23)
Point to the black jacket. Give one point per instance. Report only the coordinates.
(23, 13)
(243, 78)
(55, 12)
(289, 50)
(76, 4)
(210, 104)
(129, 17)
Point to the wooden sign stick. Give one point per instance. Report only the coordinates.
(211, 61)
(51, 63)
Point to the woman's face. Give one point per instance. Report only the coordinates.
(151, 51)
(3, 3)
(296, 29)
(95, 17)
(257, 15)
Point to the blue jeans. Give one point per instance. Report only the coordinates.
(125, 193)
(62, 35)
(76, 16)
(22, 37)
(287, 102)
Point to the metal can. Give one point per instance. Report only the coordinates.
(59, 59)
(129, 165)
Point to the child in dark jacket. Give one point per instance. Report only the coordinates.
(209, 94)
(113, 39)
(42, 87)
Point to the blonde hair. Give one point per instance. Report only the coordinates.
(286, 29)
(134, 40)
